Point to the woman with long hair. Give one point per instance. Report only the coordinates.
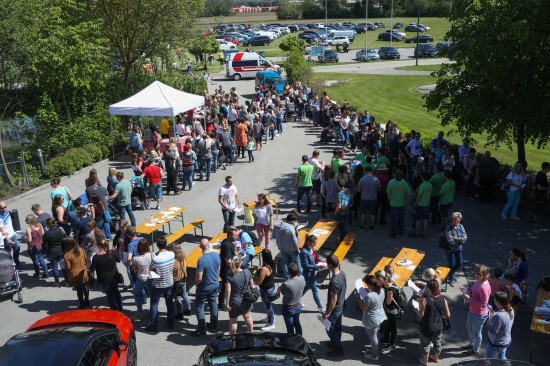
(238, 282)
(53, 246)
(183, 303)
(517, 266)
(105, 267)
(96, 211)
(265, 279)
(263, 215)
(111, 180)
(516, 184)
(94, 237)
(77, 271)
(140, 265)
(478, 296)
(58, 189)
(60, 213)
(431, 311)
(309, 259)
(372, 307)
(35, 234)
(499, 327)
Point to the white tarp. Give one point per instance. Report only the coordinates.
(157, 99)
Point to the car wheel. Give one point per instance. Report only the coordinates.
(237, 77)
(132, 351)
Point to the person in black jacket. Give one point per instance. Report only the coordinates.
(52, 247)
(107, 274)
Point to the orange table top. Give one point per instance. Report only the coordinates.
(537, 325)
(405, 272)
(159, 219)
(328, 225)
(381, 264)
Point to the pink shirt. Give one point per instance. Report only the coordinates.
(479, 298)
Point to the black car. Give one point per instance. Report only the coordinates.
(257, 41)
(329, 56)
(422, 38)
(380, 25)
(398, 25)
(359, 29)
(386, 37)
(387, 53)
(443, 48)
(274, 349)
(425, 50)
(414, 28)
(294, 28)
(309, 38)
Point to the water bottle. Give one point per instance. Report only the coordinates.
(152, 220)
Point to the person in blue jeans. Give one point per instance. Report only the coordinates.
(335, 306)
(287, 242)
(106, 273)
(265, 280)
(123, 194)
(456, 237)
(499, 327)
(309, 259)
(206, 283)
(292, 290)
(163, 264)
(141, 263)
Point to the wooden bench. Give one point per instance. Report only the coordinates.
(383, 262)
(270, 200)
(345, 246)
(443, 273)
(197, 223)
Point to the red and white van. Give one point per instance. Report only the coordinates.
(247, 64)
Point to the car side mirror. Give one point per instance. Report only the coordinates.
(121, 346)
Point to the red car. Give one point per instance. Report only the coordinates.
(79, 337)
(232, 40)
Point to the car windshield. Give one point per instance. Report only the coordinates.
(259, 356)
(274, 81)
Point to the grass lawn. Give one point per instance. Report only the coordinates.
(395, 97)
(419, 68)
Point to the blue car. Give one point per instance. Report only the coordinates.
(270, 79)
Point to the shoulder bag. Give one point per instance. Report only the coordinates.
(446, 321)
(252, 293)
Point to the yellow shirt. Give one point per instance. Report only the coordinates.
(164, 126)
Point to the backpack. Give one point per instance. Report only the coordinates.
(187, 160)
(266, 120)
(402, 299)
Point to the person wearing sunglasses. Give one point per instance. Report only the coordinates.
(6, 228)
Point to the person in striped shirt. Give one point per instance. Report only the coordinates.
(163, 264)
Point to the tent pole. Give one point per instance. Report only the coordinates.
(112, 136)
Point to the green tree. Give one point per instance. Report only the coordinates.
(498, 83)
(292, 43)
(297, 68)
(288, 10)
(138, 29)
(203, 45)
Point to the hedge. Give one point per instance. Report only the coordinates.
(74, 159)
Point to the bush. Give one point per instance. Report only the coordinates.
(74, 159)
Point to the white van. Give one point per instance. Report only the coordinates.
(247, 64)
(346, 33)
(271, 35)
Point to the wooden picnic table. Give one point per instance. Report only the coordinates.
(270, 200)
(405, 272)
(159, 220)
(538, 326)
(322, 224)
(384, 261)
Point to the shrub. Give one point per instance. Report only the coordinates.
(74, 159)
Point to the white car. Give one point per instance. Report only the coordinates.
(225, 46)
(284, 30)
(338, 40)
(425, 27)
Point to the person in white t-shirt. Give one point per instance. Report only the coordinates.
(229, 199)
(318, 168)
(414, 151)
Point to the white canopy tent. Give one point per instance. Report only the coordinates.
(157, 99)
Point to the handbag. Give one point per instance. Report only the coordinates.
(251, 294)
(119, 278)
(444, 320)
(444, 244)
(505, 187)
(106, 216)
(274, 297)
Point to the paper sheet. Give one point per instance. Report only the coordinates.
(360, 287)
(174, 209)
(413, 287)
(404, 262)
(326, 323)
(318, 232)
(416, 304)
(395, 276)
(238, 209)
(411, 268)
(152, 275)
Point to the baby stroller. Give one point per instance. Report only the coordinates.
(291, 112)
(10, 283)
(139, 196)
(115, 217)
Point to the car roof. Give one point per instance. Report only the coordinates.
(268, 73)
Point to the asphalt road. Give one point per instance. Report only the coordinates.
(274, 172)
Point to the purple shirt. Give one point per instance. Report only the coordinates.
(480, 298)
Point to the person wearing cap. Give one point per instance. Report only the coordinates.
(287, 241)
(309, 258)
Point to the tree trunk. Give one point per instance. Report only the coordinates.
(11, 181)
(521, 144)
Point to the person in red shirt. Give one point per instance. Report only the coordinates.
(154, 175)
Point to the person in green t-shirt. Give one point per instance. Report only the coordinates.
(398, 190)
(337, 160)
(304, 183)
(382, 158)
(123, 194)
(422, 206)
(446, 197)
(437, 181)
(362, 156)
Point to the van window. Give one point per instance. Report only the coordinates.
(245, 63)
(274, 81)
(264, 63)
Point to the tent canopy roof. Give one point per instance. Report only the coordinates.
(157, 99)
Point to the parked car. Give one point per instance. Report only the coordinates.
(422, 38)
(293, 28)
(380, 25)
(74, 338)
(275, 349)
(387, 53)
(443, 48)
(257, 41)
(390, 35)
(359, 29)
(309, 38)
(398, 25)
(425, 50)
(329, 56)
(371, 55)
(224, 45)
(371, 27)
(425, 27)
(338, 40)
(414, 28)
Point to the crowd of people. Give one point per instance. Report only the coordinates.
(384, 175)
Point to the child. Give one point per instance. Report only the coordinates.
(246, 249)
(249, 147)
(514, 291)
(496, 284)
